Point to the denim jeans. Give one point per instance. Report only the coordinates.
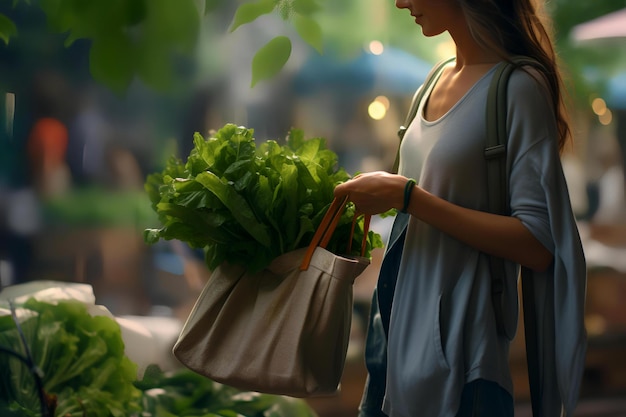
(482, 398)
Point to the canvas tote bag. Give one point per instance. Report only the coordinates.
(282, 331)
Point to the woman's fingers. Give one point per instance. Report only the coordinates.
(341, 191)
(344, 188)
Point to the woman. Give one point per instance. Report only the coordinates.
(436, 350)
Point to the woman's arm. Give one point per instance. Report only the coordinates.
(502, 236)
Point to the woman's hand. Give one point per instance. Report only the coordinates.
(374, 192)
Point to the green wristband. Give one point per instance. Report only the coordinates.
(408, 188)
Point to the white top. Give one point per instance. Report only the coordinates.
(442, 330)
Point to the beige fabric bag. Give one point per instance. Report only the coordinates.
(282, 331)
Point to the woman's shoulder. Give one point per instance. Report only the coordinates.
(528, 78)
(529, 86)
(530, 111)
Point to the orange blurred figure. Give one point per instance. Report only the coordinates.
(47, 147)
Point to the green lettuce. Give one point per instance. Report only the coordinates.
(81, 358)
(184, 393)
(248, 204)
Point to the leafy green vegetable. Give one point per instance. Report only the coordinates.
(248, 204)
(81, 357)
(184, 393)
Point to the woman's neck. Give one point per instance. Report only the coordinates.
(468, 51)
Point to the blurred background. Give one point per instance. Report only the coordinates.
(81, 128)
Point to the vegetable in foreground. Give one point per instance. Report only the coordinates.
(247, 204)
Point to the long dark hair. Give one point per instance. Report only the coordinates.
(521, 27)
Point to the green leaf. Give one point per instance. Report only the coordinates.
(176, 24)
(305, 7)
(91, 20)
(248, 12)
(7, 28)
(199, 228)
(111, 61)
(238, 206)
(212, 5)
(61, 15)
(154, 64)
(289, 174)
(270, 59)
(151, 236)
(310, 31)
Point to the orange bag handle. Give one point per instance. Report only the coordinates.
(327, 227)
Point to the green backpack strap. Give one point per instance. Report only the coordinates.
(497, 178)
(432, 76)
(495, 150)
